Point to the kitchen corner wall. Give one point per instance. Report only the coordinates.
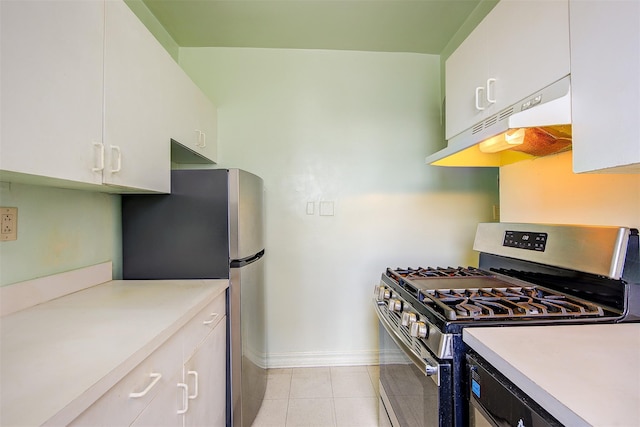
(351, 129)
(58, 230)
(546, 190)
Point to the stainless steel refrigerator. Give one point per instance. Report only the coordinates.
(209, 227)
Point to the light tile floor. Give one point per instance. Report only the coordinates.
(321, 397)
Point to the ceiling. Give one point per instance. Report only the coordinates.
(421, 26)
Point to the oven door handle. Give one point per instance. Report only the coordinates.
(428, 366)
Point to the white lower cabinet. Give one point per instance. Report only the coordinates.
(193, 395)
(209, 365)
(181, 383)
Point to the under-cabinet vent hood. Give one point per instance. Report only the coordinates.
(536, 126)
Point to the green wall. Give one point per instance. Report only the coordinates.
(154, 26)
(58, 230)
(353, 129)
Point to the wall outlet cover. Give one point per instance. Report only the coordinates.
(8, 224)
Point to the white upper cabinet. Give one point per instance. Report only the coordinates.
(90, 99)
(519, 48)
(605, 80)
(52, 88)
(193, 121)
(136, 135)
(467, 72)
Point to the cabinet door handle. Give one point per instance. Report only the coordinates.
(201, 140)
(479, 89)
(185, 398)
(212, 318)
(195, 376)
(156, 377)
(100, 166)
(490, 86)
(116, 149)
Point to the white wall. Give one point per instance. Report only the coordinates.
(352, 128)
(546, 190)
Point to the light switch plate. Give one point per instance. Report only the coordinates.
(311, 206)
(8, 224)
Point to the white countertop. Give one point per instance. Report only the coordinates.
(582, 374)
(85, 342)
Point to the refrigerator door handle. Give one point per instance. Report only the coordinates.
(237, 263)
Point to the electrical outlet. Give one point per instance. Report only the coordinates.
(8, 224)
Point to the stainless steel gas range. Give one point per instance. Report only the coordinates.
(529, 274)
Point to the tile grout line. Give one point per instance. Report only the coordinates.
(333, 399)
(286, 412)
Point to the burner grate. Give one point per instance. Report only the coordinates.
(421, 272)
(506, 303)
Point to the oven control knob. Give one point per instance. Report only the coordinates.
(419, 330)
(408, 318)
(395, 305)
(383, 293)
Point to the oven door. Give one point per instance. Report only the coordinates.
(415, 390)
(494, 401)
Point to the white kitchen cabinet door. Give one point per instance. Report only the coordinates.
(51, 84)
(136, 136)
(605, 81)
(208, 126)
(164, 410)
(195, 395)
(123, 403)
(466, 77)
(196, 392)
(205, 375)
(193, 117)
(529, 42)
(519, 48)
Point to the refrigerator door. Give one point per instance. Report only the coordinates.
(248, 350)
(246, 197)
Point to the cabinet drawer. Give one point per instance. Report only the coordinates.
(129, 397)
(198, 328)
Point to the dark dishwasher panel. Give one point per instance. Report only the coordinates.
(496, 401)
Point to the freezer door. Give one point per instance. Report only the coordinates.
(246, 195)
(182, 235)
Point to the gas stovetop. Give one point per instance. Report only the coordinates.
(473, 294)
(528, 273)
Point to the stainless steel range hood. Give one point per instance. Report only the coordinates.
(536, 126)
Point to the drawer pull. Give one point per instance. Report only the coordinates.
(185, 398)
(195, 376)
(213, 317)
(156, 377)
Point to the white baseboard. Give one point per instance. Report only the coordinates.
(19, 296)
(326, 358)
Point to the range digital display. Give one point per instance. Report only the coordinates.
(525, 240)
